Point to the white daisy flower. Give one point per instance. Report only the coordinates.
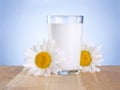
(43, 59)
(90, 58)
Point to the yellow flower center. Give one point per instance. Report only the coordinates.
(43, 60)
(85, 58)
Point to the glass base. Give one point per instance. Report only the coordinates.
(68, 72)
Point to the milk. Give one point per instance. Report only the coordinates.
(68, 38)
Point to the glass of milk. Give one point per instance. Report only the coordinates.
(67, 32)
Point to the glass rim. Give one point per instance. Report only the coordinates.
(65, 16)
(52, 18)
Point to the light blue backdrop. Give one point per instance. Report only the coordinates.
(23, 23)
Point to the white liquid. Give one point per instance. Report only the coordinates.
(68, 37)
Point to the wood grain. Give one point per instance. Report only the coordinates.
(7, 73)
(107, 79)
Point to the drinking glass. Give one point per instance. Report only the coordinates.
(67, 32)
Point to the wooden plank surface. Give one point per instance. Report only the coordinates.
(7, 73)
(11, 78)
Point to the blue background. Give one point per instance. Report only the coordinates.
(23, 23)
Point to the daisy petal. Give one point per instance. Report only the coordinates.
(47, 72)
(29, 52)
(50, 45)
(31, 71)
(35, 48)
(39, 73)
(97, 69)
(55, 69)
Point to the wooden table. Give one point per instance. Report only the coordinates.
(11, 78)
